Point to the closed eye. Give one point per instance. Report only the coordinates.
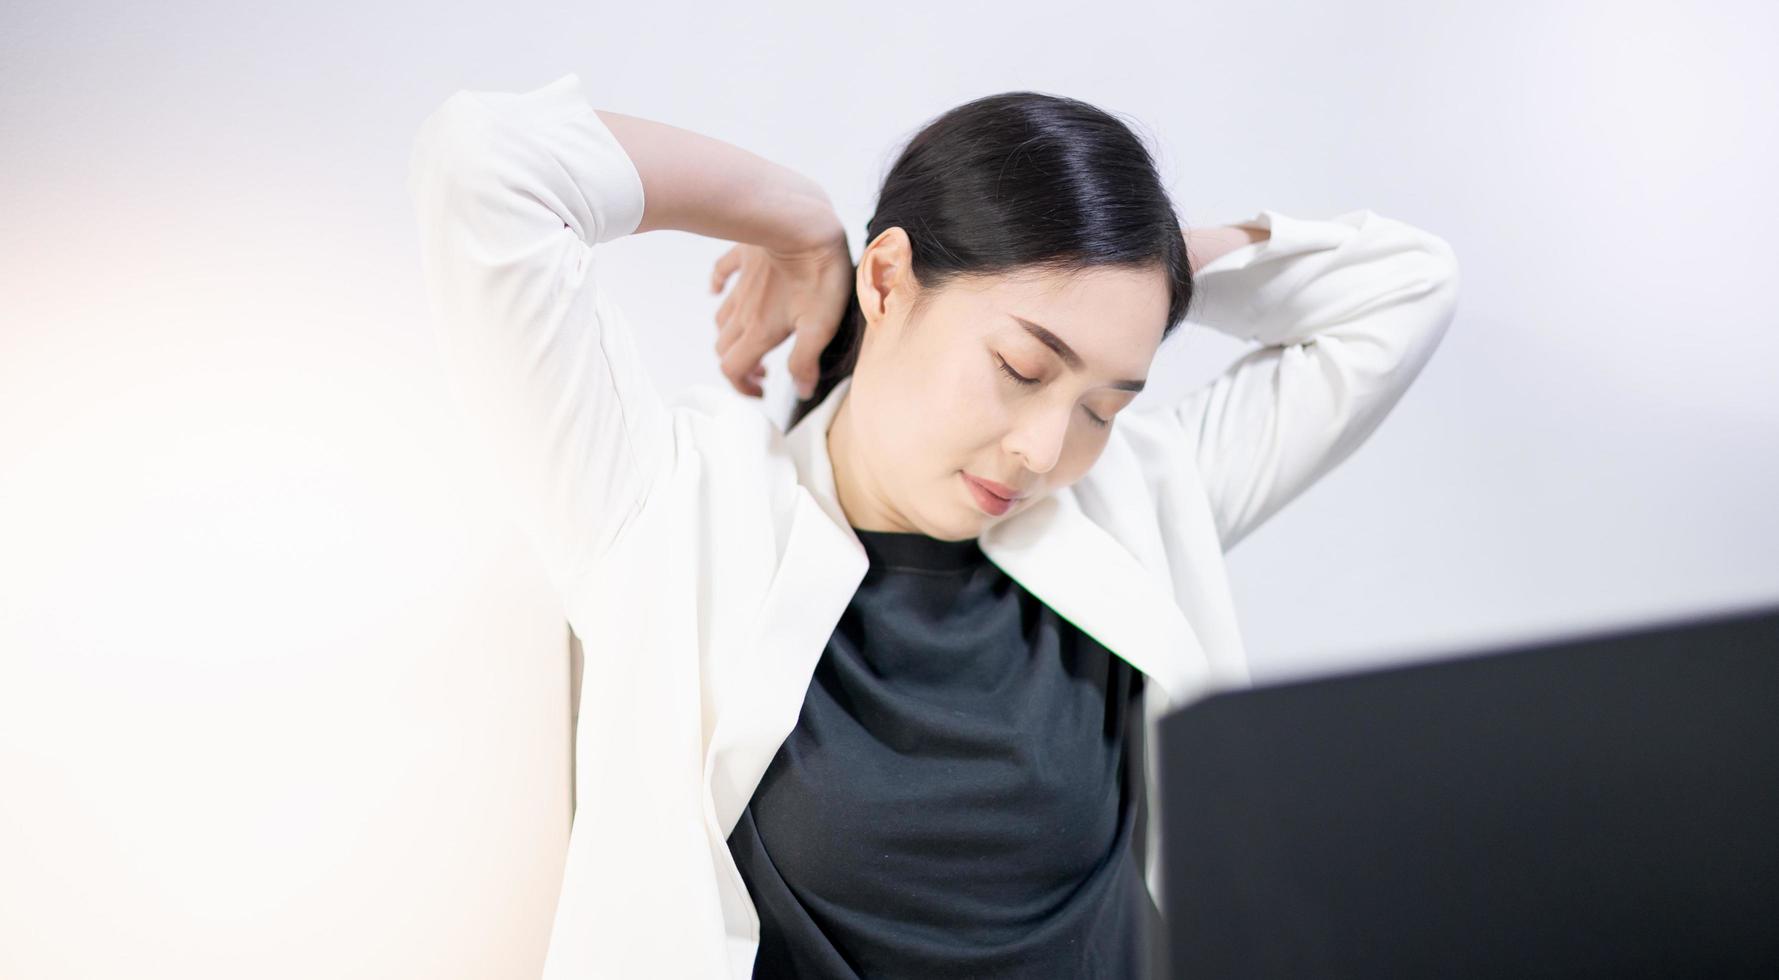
(1015, 375)
(1021, 379)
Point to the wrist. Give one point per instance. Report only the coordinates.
(1207, 245)
(802, 218)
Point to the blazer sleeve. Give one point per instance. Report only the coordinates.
(513, 191)
(1347, 311)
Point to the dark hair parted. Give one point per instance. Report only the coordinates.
(1020, 181)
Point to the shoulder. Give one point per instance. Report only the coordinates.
(713, 407)
(724, 421)
(727, 489)
(1145, 483)
(1144, 454)
(733, 440)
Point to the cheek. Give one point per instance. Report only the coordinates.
(980, 416)
(948, 415)
(954, 408)
(916, 434)
(1078, 458)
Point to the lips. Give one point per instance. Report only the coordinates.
(985, 499)
(1001, 490)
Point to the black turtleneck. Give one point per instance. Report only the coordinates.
(962, 795)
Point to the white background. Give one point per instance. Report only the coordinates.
(283, 695)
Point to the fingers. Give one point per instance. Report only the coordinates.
(725, 267)
(726, 336)
(749, 323)
(741, 360)
(726, 308)
(805, 360)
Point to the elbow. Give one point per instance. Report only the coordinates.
(448, 150)
(1428, 259)
(1398, 235)
(1442, 300)
(1444, 260)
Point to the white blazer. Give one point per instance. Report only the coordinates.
(702, 556)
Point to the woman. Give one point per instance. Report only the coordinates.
(869, 696)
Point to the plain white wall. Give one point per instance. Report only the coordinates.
(282, 694)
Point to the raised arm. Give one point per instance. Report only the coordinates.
(695, 183)
(1347, 311)
(512, 191)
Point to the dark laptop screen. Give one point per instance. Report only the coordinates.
(1604, 805)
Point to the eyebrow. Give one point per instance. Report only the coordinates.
(1067, 353)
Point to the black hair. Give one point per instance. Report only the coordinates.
(1015, 182)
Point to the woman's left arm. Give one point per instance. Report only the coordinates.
(1207, 245)
(1347, 310)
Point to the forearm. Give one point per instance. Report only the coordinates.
(696, 183)
(1206, 245)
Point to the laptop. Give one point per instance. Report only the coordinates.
(1602, 805)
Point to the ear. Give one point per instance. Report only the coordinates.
(885, 278)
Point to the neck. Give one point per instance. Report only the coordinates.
(855, 502)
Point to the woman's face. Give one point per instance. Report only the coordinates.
(934, 397)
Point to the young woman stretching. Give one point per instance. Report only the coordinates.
(867, 692)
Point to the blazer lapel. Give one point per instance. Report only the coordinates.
(1052, 548)
(820, 571)
(1092, 580)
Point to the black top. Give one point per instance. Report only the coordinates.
(962, 795)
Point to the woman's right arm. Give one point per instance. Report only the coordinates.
(695, 183)
(512, 192)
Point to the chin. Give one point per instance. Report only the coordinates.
(958, 529)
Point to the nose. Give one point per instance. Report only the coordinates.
(1038, 439)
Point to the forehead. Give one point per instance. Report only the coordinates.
(1109, 315)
